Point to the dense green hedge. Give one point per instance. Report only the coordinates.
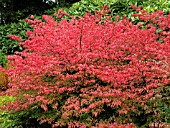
(7, 45)
(118, 7)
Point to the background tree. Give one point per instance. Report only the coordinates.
(14, 10)
(5, 10)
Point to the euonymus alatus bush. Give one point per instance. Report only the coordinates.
(90, 71)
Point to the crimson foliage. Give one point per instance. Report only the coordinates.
(90, 70)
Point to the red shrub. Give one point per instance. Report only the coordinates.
(80, 68)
